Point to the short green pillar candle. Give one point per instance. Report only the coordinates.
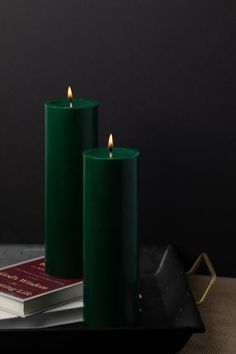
(111, 248)
(70, 128)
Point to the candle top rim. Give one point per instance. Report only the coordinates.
(118, 153)
(77, 103)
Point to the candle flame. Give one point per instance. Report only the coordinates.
(110, 143)
(69, 93)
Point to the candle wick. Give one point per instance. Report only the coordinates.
(70, 103)
(110, 154)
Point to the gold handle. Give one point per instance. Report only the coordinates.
(204, 257)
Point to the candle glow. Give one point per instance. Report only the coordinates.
(70, 95)
(110, 145)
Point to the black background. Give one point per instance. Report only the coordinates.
(164, 72)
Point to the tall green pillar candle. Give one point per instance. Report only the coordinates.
(111, 237)
(70, 128)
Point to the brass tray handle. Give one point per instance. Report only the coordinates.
(204, 257)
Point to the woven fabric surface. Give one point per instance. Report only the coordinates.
(218, 313)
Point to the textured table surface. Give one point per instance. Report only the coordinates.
(219, 316)
(218, 312)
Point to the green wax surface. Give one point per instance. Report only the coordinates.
(68, 132)
(111, 238)
(116, 154)
(76, 104)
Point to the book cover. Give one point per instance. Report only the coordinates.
(25, 288)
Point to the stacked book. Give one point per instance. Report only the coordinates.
(30, 298)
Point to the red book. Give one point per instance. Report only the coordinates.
(25, 288)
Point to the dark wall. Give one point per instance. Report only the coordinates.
(165, 74)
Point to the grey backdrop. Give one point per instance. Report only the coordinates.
(164, 72)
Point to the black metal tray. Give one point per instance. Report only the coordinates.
(168, 307)
(168, 317)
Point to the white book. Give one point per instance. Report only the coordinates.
(65, 314)
(26, 289)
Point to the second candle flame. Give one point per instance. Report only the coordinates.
(110, 145)
(70, 95)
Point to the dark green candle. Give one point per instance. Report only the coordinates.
(70, 128)
(110, 237)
